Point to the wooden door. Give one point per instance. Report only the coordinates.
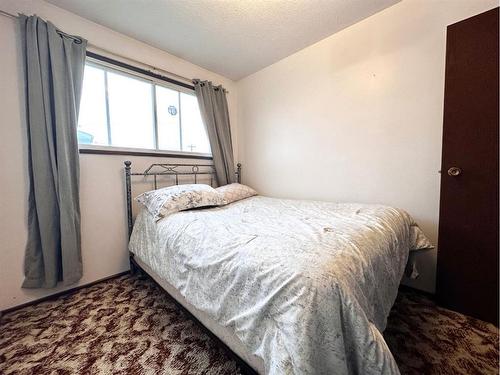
(467, 273)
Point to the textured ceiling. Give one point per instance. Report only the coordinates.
(234, 38)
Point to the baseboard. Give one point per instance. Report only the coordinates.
(61, 293)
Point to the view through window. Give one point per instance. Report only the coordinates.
(123, 110)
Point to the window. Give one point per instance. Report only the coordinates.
(127, 110)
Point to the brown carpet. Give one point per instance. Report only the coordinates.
(129, 326)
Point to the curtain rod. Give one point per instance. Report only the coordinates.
(7, 14)
(129, 67)
(93, 46)
(76, 39)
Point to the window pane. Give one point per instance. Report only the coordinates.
(194, 135)
(130, 111)
(167, 114)
(131, 114)
(92, 123)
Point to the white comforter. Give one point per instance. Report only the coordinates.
(306, 286)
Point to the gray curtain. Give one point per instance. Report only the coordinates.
(53, 66)
(214, 112)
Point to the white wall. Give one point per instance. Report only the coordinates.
(104, 249)
(357, 116)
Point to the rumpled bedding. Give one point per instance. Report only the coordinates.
(306, 286)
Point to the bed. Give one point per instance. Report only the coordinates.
(290, 286)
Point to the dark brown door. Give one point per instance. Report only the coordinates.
(467, 273)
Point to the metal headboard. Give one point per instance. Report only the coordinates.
(175, 170)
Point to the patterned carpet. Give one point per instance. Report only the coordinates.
(129, 326)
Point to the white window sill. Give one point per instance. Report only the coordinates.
(110, 150)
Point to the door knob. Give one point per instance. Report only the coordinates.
(454, 171)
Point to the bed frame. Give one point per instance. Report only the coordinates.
(179, 174)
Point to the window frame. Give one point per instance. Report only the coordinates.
(118, 67)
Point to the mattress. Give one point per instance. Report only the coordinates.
(296, 287)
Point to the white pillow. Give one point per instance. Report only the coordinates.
(168, 200)
(235, 192)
